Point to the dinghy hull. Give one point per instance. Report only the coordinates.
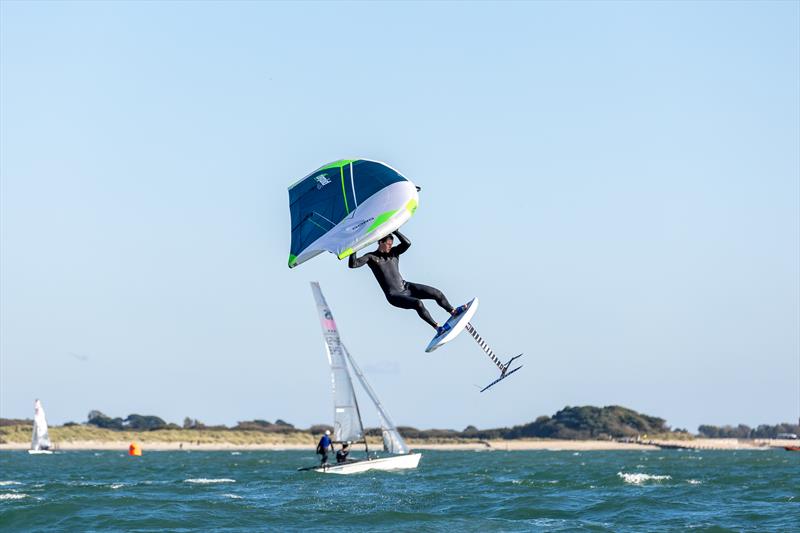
(396, 462)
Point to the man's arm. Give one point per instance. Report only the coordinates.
(356, 262)
(404, 245)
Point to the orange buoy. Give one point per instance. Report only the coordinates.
(134, 449)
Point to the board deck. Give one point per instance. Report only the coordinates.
(457, 325)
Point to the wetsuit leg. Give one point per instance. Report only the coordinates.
(406, 301)
(424, 292)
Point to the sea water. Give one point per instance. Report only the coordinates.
(666, 490)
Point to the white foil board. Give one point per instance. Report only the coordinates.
(457, 325)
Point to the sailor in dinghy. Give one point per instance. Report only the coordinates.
(324, 446)
(341, 455)
(348, 428)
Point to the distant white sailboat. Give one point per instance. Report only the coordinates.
(40, 442)
(347, 425)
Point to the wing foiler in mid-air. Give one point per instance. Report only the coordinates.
(347, 205)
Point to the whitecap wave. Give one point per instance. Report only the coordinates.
(236, 453)
(639, 478)
(117, 485)
(6, 483)
(13, 496)
(693, 481)
(233, 496)
(203, 480)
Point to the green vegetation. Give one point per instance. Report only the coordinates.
(590, 422)
(742, 431)
(582, 423)
(585, 423)
(133, 421)
(85, 432)
(16, 422)
(262, 425)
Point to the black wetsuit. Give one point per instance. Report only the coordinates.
(400, 293)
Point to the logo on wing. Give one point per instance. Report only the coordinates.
(359, 225)
(322, 180)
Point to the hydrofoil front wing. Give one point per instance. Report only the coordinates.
(504, 373)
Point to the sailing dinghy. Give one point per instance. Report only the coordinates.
(347, 425)
(40, 442)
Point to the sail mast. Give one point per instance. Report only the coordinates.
(347, 423)
(392, 440)
(358, 412)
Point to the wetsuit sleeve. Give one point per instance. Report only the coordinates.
(356, 262)
(404, 245)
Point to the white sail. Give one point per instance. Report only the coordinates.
(347, 425)
(392, 441)
(40, 439)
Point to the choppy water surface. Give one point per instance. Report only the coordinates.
(472, 491)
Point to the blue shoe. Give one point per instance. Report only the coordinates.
(444, 328)
(460, 309)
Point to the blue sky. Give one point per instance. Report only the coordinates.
(618, 182)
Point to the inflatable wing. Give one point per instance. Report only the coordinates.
(345, 206)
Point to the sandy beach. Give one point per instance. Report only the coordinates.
(553, 445)
(725, 444)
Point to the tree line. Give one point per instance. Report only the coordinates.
(743, 431)
(153, 423)
(586, 422)
(582, 422)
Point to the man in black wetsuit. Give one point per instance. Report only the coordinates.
(385, 265)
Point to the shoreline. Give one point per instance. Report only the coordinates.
(545, 445)
(492, 445)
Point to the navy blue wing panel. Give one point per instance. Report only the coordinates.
(370, 177)
(316, 205)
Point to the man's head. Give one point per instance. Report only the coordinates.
(328, 432)
(385, 244)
